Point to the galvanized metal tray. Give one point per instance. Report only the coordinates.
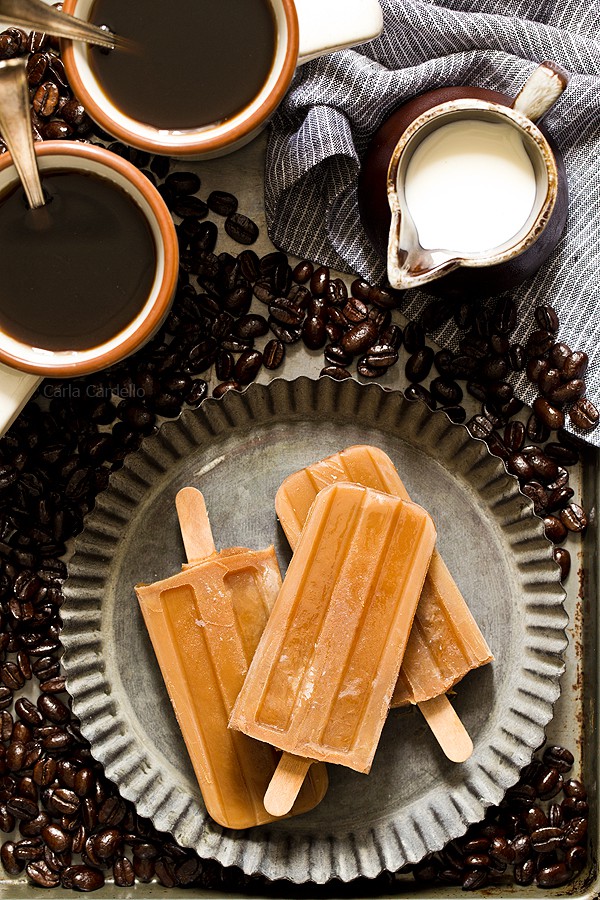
(238, 450)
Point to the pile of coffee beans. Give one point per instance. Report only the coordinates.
(538, 834)
(66, 823)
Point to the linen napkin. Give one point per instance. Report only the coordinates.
(336, 103)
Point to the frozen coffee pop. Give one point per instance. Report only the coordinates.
(205, 624)
(321, 681)
(445, 642)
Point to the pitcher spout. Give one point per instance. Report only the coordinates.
(408, 264)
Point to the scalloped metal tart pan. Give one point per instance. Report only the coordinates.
(237, 450)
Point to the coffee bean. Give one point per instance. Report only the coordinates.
(222, 203)
(568, 392)
(446, 391)
(381, 356)
(359, 338)
(286, 312)
(416, 392)
(82, 878)
(183, 183)
(563, 558)
(314, 332)
(418, 366)
(547, 318)
(584, 415)
(337, 372)
(549, 415)
(559, 758)
(575, 858)
(554, 875)
(57, 839)
(241, 229)
(303, 272)
(123, 873)
(45, 99)
(273, 354)
(574, 788)
(554, 529)
(575, 365)
(574, 518)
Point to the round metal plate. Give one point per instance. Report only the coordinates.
(237, 450)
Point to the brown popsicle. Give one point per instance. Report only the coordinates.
(321, 681)
(205, 624)
(445, 642)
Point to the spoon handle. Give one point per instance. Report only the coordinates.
(38, 15)
(15, 126)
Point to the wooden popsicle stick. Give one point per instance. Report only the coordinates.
(195, 527)
(448, 729)
(286, 783)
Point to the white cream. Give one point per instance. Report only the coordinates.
(470, 186)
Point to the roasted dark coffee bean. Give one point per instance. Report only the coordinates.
(37, 66)
(446, 391)
(355, 311)
(225, 387)
(383, 299)
(314, 332)
(26, 711)
(62, 801)
(381, 356)
(559, 758)
(524, 873)
(183, 183)
(247, 366)
(251, 326)
(286, 312)
(517, 357)
(273, 354)
(514, 436)
(500, 849)
(123, 873)
(82, 878)
(539, 342)
(575, 858)
(366, 371)
(568, 392)
(559, 354)
(546, 318)
(53, 709)
(480, 427)
(264, 292)
(418, 365)
(15, 757)
(41, 875)
(143, 869)
(554, 529)
(337, 372)
(416, 392)
(45, 99)
(533, 817)
(535, 368)
(549, 415)
(57, 839)
(572, 808)
(303, 272)
(546, 839)
(242, 229)
(519, 465)
(224, 365)
(504, 317)
(414, 337)
(21, 732)
(359, 338)
(284, 333)
(222, 203)
(584, 415)
(563, 558)
(575, 365)
(319, 281)
(11, 676)
(106, 843)
(574, 518)
(575, 789)
(548, 783)
(575, 831)
(554, 875)
(475, 879)
(549, 379)
(22, 808)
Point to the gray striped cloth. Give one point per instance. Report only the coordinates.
(335, 104)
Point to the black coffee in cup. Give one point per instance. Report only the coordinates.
(77, 271)
(193, 63)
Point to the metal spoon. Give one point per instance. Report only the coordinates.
(38, 15)
(15, 127)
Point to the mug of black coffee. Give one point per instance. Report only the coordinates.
(203, 77)
(88, 277)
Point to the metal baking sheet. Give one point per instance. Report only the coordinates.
(238, 450)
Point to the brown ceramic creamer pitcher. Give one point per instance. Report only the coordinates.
(461, 192)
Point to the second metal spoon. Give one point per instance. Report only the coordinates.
(38, 15)
(15, 127)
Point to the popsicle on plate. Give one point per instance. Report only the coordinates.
(321, 681)
(205, 624)
(445, 641)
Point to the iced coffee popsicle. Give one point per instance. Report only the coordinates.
(445, 642)
(321, 681)
(205, 624)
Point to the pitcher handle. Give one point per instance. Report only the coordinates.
(330, 25)
(15, 390)
(541, 90)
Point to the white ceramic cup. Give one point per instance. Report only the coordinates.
(305, 29)
(23, 367)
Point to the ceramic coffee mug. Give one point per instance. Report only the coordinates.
(23, 367)
(305, 29)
